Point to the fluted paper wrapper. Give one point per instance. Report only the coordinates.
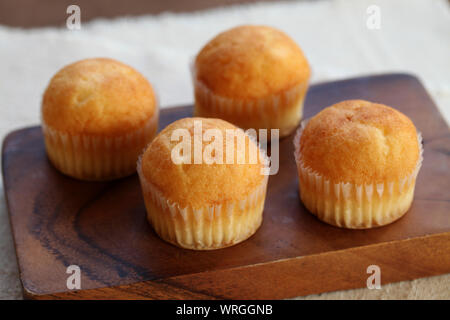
(96, 158)
(211, 227)
(354, 206)
(281, 111)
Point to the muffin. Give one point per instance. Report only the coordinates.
(203, 205)
(252, 76)
(357, 163)
(97, 117)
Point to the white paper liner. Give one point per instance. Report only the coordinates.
(350, 205)
(211, 227)
(96, 157)
(279, 111)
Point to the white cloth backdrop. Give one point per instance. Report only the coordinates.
(414, 38)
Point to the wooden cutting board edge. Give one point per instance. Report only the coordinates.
(307, 274)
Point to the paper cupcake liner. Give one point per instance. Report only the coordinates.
(211, 227)
(97, 158)
(281, 111)
(351, 205)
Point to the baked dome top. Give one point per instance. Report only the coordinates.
(98, 96)
(360, 142)
(203, 184)
(250, 62)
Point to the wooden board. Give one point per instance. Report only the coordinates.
(101, 227)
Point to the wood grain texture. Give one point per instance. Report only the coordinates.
(101, 227)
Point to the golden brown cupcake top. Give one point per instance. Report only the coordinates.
(200, 185)
(98, 96)
(360, 142)
(250, 62)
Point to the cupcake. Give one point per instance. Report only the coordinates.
(357, 163)
(252, 76)
(97, 117)
(198, 203)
